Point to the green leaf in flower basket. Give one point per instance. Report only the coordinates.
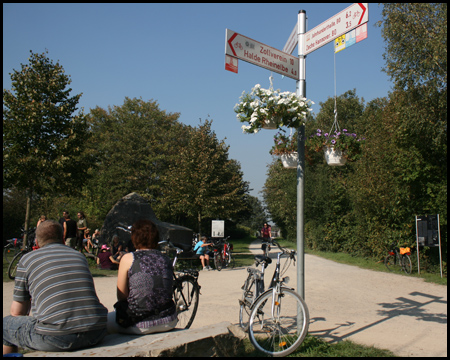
(271, 124)
(283, 144)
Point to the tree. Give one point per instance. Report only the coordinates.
(202, 182)
(416, 117)
(415, 35)
(280, 196)
(133, 145)
(257, 216)
(43, 140)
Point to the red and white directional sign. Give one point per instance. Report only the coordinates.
(244, 48)
(339, 24)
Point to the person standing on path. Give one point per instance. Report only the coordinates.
(70, 230)
(82, 225)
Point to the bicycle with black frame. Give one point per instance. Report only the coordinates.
(186, 289)
(31, 245)
(278, 318)
(265, 245)
(223, 256)
(398, 258)
(14, 245)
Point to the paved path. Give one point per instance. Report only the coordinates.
(403, 314)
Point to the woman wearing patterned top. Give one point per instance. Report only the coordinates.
(144, 286)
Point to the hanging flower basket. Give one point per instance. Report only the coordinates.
(344, 144)
(334, 157)
(257, 107)
(283, 144)
(290, 160)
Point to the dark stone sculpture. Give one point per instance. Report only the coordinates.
(133, 207)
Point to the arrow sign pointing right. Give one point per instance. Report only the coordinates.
(337, 25)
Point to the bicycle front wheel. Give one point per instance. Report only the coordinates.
(13, 265)
(186, 296)
(230, 260)
(406, 264)
(279, 322)
(10, 251)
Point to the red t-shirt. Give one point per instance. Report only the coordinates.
(105, 261)
(265, 232)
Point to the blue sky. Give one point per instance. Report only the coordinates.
(174, 54)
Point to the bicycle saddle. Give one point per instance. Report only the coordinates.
(262, 258)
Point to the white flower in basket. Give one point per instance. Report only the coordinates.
(271, 109)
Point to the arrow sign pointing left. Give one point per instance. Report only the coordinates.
(254, 52)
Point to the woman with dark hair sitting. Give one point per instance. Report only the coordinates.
(144, 286)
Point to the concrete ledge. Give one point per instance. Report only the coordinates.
(223, 339)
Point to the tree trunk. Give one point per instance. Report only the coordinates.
(29, 193)
(199, 218)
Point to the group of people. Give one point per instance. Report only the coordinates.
(201, 247)
(55, 285)
(76, 234)
(109, 256)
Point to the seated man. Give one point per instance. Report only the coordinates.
(117, 248)
(55, 283)
(200, 251)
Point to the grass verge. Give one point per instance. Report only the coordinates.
(316, 347)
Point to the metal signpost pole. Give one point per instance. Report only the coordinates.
(301, 92)
(241, 47)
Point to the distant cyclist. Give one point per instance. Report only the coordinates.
(266, 234)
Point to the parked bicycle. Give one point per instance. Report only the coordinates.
(278, 318)
(399, 258)
(186, 289)
(12, 247)
(31, 245)
(223, 256)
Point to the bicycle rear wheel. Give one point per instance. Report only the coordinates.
(406, 264)
(218, 261)
(245, 304)
(186, 296)
(13, 265)
(279, 322)
(389, 262)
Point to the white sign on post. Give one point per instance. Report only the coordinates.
(341, 23)
(292, 41)
(252, 51)
(217, 228)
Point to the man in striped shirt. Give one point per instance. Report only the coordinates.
(55, 283)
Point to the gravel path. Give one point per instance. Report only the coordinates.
(403, 314)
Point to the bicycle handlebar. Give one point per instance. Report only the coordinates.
(291, 253)
(124, 227)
